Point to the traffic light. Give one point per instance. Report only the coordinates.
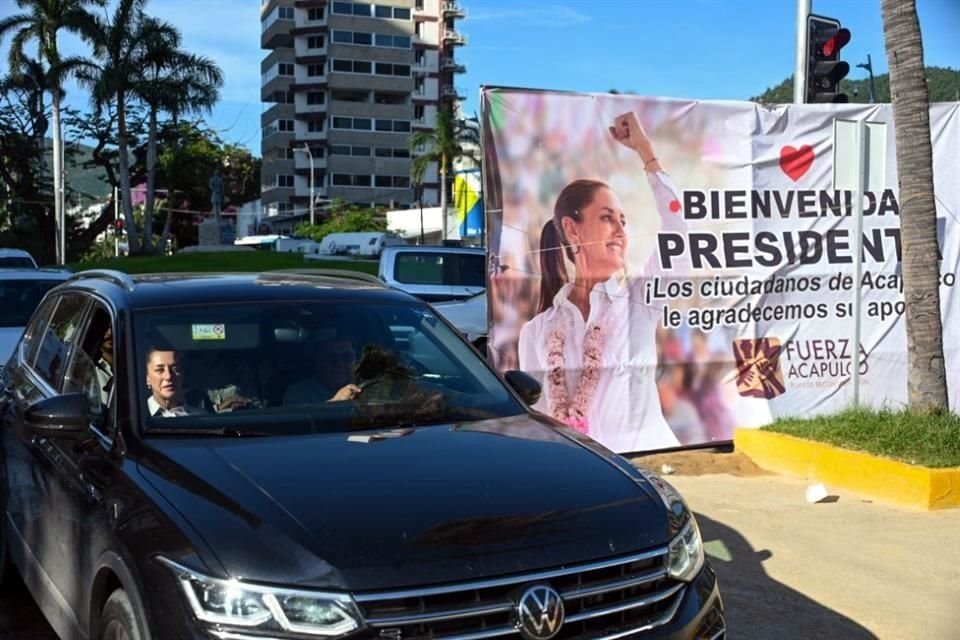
(825, 69)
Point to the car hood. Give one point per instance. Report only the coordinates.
(404, 508)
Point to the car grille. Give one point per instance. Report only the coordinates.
(602, 600)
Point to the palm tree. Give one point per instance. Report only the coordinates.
(926, 375)
(173, 81)
(42, 20)
(115, 43)
(451, 140)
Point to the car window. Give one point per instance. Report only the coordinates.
(472, 271)
(17, 263)
(33, 334)
(310, 366)
(58, 337)
(419, 268)
(19, 299)
(91, 368)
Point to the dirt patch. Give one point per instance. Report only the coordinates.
(699, 463)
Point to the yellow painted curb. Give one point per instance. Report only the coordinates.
(886, 480)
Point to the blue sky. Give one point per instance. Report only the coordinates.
(703, 49)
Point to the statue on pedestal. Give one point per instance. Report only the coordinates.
(216, 194)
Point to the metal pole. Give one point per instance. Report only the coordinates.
(116, 217)
(873, 88)
(800, 70)
(312, 195)
(63, 205)
(858, 254)
(420, 191)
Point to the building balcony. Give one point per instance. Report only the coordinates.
(453, 92)
(451, 65)
(453, 37)
(452, 9)
(301, 160)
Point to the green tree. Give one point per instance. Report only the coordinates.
(943, 85)
(344, 218)
(926, 373)
(42, 21)
(113, 78)
(452, 139)
(173, 81)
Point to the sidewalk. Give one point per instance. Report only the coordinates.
(843, 569)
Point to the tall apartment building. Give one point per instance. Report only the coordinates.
(351, 81)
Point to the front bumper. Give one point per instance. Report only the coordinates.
(700, 615)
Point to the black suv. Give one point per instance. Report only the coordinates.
(292, 455)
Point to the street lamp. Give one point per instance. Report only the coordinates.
(869, 67)
(306, 148)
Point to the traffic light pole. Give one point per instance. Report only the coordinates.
(800, 70)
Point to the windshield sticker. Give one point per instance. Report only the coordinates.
(209, 331)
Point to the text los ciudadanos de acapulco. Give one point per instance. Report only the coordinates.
(746, 249)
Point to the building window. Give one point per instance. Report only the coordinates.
(360, 9)
(285, 13)
(316, 97)
(313, 15)
(314, 70)
(362, 66)
(391, 152)
(357, 124)
(285, 125)
(284, 181)
(382, 181)
(347, 150)
(315, 42)
(285, 69)
(396, 126)
(388, 69)
(344, 8)
(401, 14)
(419, 112)
(391, 98)
(351, 180)
(315, 126)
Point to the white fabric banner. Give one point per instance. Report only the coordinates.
(670, 269)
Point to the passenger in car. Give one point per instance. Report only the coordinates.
(332, 379)
(164, 382)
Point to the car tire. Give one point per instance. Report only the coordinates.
(118, 620)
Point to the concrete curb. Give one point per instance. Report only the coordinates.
(885, 480)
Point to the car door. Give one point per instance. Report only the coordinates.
(85, 471)
(466, 273)
(45, 525)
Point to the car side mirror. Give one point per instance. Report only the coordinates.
(63, 416)
(525, 385)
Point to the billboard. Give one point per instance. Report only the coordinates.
(672, 269)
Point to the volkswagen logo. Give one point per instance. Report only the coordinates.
(539, 613)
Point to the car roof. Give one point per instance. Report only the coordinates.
(19, 253)
(176, 289)
(432, 248)
(23, 273)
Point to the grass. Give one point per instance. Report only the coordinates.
(223, 261)
(931, 441)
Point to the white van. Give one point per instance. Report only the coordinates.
(435, 273)
(367, 244)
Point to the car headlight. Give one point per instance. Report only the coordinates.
(685, 557)
(236, 603)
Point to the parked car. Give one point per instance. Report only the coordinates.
(367, 244)
(21, 290)
(16, 259)
(435, 273)
(469, 317)
(188, 494)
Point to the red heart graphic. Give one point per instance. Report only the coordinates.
(796, 162)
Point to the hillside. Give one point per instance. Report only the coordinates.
(943, 83)
(90, 183)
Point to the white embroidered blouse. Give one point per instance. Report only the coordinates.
(625, 414)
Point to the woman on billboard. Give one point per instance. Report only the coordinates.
(593, 337)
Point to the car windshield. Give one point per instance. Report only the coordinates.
(19, 299)
(308, 367)
(16, 262)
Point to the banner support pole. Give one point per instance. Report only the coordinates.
(861, 146)
(800, 68)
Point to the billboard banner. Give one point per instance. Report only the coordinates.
(468, 201)
(670, 270)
